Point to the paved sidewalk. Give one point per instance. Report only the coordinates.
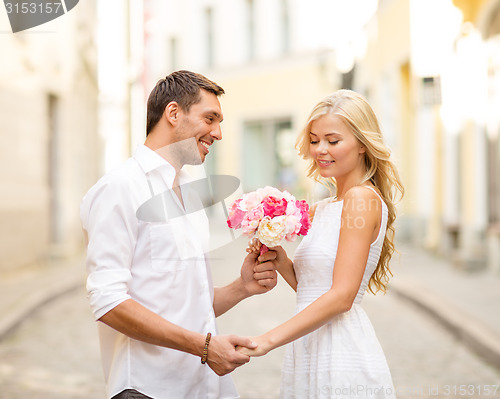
(23, 292)
(466, 302)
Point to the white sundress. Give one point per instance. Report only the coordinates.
(343, 358)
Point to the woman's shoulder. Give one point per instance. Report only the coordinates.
(362, 192)
(363, 198)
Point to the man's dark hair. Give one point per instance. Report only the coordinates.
(182, 87)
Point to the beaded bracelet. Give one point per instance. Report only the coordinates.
(205, 349)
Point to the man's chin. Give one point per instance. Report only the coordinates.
(196, 160)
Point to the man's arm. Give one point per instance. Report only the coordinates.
(256, 278)
(108, 218)
(137, 322)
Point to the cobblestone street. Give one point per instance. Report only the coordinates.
(54, 354)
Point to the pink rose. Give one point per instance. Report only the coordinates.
(292, 227)
(250, 200)
(251, 220)
(236, 215)
(304, 221)
(269, 191)
(274, 206)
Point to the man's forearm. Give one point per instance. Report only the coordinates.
(137, 322)
(226, 297)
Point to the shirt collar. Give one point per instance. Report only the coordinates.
(150, 160)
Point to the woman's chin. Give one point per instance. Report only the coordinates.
(325, 174)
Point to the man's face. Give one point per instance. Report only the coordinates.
(201, 123)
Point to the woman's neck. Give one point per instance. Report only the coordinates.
(346, 183)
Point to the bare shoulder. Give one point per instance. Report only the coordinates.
(361, 199)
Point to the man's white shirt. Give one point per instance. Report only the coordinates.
(160, 264)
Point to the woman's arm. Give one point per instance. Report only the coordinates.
(360, 219)
(284, 266)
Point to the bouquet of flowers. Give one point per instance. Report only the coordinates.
(271, 215)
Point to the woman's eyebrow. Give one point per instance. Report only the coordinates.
(326, 135)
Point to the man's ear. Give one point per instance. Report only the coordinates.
(171, 112)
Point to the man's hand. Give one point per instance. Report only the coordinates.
(280, 258)
(257, 277)
(222, 355)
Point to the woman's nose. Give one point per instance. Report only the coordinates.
(322, 147)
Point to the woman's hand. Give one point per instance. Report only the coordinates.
(254, 246)
(263, 347)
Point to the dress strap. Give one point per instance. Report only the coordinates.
(376, 192)
(383, 220)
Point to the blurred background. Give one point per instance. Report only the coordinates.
(73, 94)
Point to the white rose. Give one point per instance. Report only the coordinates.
(271, 231)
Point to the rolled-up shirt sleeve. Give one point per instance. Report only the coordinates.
(110, 225)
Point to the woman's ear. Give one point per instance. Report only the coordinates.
(362, 149)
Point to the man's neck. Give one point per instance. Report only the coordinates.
(177, 189)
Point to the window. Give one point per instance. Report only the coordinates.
(250, 29)
(431, 90)
(174, 50)
(285, 27)
(53, 150)
(209, 36)
(268, 154)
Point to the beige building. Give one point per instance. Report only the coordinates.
(430, 68)
(275, 58)
(433, 77)
(50, 149)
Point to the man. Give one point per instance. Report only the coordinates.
(148, 281)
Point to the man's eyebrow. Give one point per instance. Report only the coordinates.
(216, 114)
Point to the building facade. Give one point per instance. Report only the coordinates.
(50, 146)
(433, 77)
(430, 68)
(275, 58)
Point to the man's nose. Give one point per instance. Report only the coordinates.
(216, 133)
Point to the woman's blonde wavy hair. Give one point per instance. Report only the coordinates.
(380, 171)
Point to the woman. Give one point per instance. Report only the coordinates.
(333, 350)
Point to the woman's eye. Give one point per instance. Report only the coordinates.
(333, 142)
(313, 142)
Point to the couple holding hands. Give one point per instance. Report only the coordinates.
(149, 283)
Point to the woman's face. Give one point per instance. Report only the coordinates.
(334, 148)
